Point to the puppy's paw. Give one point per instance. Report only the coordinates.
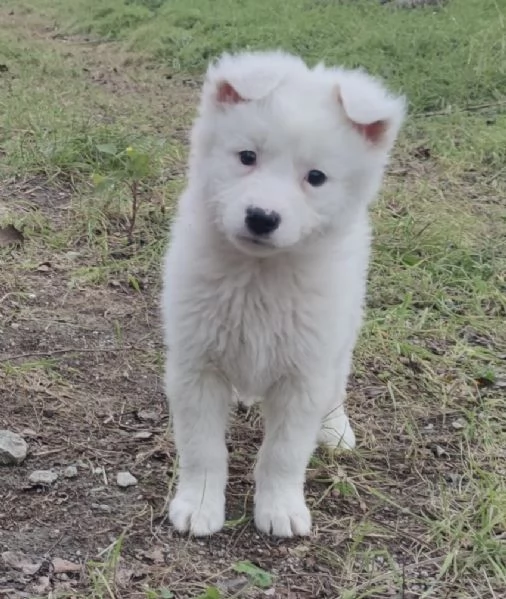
(282, 514)
(200, 515)
(336, 433)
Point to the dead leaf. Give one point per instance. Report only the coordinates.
(21, 562)
(61, 566)
(299, 551)
(123, 576)
(9, 235)
(154, 555)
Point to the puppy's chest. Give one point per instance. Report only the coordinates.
(260, 331)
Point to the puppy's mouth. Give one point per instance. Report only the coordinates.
(255, 246)
(258, 241)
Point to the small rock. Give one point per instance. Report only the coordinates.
(43, 477)
(29, 432)
(452, 477)
(438, 451)
(70, 472)
(125, 479)
(458, 424)
(416, 3)
(102, 507)
(143, 435)
(44, 267)
(13, 448)
(500, 381)
(147, 415)
(233, 585)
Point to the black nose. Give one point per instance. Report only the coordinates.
(260, 222)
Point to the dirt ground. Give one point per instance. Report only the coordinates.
(80, 380)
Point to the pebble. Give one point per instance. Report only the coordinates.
(125, 479)
(102, 507)
(143, 435)
(70, 472)
(458, 424)
(13, 448)
(233, 585)
(147, 415)
(43, 477)
(438, 451)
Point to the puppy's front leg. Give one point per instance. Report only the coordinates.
(199, 404)
(292, 421)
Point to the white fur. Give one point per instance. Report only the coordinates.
(279, 319)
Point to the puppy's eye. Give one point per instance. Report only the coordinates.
(316, 178)
(248, 157)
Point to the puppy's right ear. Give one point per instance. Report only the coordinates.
(247, 77)
(227, 94)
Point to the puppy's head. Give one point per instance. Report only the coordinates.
(283, 153)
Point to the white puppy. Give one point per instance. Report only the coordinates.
(265, 275)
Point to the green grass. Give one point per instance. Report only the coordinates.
(449, 57)
(422, 501)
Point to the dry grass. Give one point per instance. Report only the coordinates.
(419, 509)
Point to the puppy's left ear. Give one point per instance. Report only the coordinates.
(374, 113)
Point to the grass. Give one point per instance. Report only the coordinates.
(419, 510)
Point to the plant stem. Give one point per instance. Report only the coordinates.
(134, 186)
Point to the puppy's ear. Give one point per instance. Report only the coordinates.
(371, 110)
(248, 76)
(227, 94)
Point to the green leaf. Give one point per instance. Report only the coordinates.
(138, 165)
(344, 488)
(411, 259)
(260, 578)
(107, 149)
(101, 181)
(134, 283)
(210, 593)
(166, 594)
